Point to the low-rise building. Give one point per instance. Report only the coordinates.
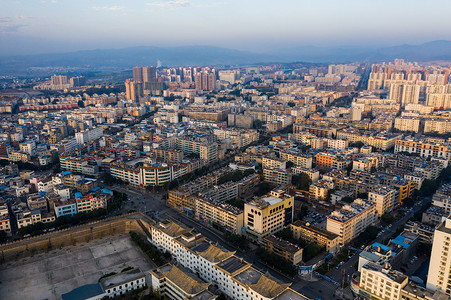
(284, 249)
(313, 234)
(179, 283)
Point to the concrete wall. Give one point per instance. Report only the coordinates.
(137, 222)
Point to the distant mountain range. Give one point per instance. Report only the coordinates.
(207, 55)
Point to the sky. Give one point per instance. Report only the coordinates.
(48, 26)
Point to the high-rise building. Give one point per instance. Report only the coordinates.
(439, 276)
(78, 81)
(205, 81)
(59, 80)
(396, 92)
(410, 94)
(133, 90)
(138, 74)
(149, 74)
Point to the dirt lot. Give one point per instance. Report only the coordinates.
(48, 275)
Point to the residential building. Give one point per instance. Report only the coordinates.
(351, 220)
(439, 275)
(385, 199)
(442, 197)
(218, 213)
(313, 234)
(290, 252)
(379, 282)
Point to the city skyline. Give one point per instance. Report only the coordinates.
(30, 27)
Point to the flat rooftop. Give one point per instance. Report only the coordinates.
(49, 275)
(232, 264)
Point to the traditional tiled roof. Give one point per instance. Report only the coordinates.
(268, 287)
(185, 282)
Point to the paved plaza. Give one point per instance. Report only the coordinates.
(48, 275)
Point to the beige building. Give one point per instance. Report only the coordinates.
(218, 213)
(277, 176)
(273, 163)
(384, 198)
(351, 220)
(439, 276)
(299, 159)
(310, 233)
(423, 148)
(438, 126)
(377, 282)
(407, 124)
(442, 198)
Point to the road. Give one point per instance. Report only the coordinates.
(153, 202)
(348, 266)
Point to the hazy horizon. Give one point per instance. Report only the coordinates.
(55, 26)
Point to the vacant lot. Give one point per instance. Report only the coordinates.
(48, 275)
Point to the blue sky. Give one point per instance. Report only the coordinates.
(33, 26)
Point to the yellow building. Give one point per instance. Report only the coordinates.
(268, 214)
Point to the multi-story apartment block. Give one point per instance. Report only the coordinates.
(438, 126)
(442, 197)
(385, 199)
(439, 275)
(313, 234)
(313, 174)
(236, 278)
(378, 282)
(286, 250)
(277, 176)
(319, 190)
(5, 223)
(423, 148)
(351, 220)
(219, 213)
(73, 164)
(408, 124)
(299, 159)
(330, 161)
(268, 214)
(273, 163)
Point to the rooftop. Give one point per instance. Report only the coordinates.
(121, 278)
(233, 264)
(86, 291)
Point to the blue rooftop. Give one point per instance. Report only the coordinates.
(78, 195)
(400, 240)
(106, 191)
(383, 247)
(87, 291)
(66, 173)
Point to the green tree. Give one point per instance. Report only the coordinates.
(302, 181)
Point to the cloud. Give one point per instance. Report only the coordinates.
(109, 8)
(12, 24)
(172, 3)
(9, 28)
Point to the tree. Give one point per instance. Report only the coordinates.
(357, 144)
(289, 164)
(302, 181)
